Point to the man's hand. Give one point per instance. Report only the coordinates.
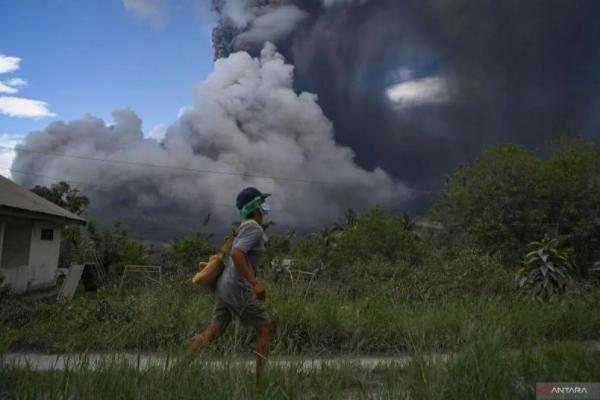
(259, 291)
(241, 263)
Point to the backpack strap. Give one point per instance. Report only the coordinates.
(226, 248)
(246, 222)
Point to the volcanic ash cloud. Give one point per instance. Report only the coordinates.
(248, 122)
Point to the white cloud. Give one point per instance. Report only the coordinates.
(154, 10)
(272, 25)
(259, 22)
(158, 132)
(416, 92)
(16, 82)
(7, 155)
(9, 64)
(184, 110)
(11, 86)
(4, 88)
(238, 12)
(18, 106)
(24, 108)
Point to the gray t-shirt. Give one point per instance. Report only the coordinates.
(232, 285)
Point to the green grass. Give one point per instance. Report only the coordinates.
(481, 368)
(486, 368)
(325, 322)
(499, 346)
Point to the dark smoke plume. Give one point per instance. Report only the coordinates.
(419, 86)
(412, 89)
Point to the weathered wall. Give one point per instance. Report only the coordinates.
(43, 260)
(16, 243)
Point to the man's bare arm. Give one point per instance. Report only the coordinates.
(241, 263)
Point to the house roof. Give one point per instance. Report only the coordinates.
(14, 198)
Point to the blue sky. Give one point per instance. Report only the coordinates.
(95, 56)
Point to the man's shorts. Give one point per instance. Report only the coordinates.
(247, 309)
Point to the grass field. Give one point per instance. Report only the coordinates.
(325, 321)
(501, 342)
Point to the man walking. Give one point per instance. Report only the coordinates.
(239, 294)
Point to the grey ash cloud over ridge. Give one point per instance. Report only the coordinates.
(404, 91)
(515, 72)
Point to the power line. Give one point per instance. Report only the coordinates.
(187, 222)
(194, 170)
(148, 165)
(104, 188)
(56, 179)
(172, 221)
(206, 171)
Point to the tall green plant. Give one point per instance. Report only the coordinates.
(546, 270)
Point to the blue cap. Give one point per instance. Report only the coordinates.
(247, 195)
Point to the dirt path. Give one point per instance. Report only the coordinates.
(142, 361)
(46, 362)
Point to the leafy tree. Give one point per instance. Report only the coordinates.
(366, 236)
(113, 247)
(511, 196)
(71, 199)
(185, 253)
(63, 195)
(375, 234)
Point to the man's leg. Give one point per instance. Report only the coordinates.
(213, 331)
(253, 313)
(220, 320)
(263, 345)
(199, 342)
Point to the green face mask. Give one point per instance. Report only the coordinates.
(249, 208)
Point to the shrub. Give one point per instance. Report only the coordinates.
(368, 236)
(185, 253)
(546, 270)
(113, 247)
(468, 274)
(511, 196)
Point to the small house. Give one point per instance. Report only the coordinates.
(30, 235)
